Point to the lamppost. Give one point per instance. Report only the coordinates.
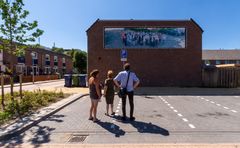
(32, 67)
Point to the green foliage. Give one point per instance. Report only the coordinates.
(31, 102)
(59, 50)
(15, 30)
(79, 58)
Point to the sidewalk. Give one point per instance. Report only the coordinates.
(30, 83)
(27, 122)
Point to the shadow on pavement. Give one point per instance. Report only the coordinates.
(112, 128)
(143, 127)
(36, 135)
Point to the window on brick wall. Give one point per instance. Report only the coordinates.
(218, 62)
(207, 62)
(47, 59)
(63, 62)
(55, 61)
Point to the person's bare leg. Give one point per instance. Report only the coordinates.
(91, 111)
(112, 108)
(107, 108)
(95, 111)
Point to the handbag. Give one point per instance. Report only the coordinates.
(123, 91)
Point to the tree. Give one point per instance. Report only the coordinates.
(79, 58)
(80, 61)
(59, 50)
(16, 31)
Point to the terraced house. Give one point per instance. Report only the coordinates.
(41, 61)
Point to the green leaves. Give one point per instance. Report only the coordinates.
(14, 27)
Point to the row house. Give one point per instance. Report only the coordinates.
(41, 61)
(218, 57)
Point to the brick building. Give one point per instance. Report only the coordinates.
(41, 60)
(216, 57)
(162, 53)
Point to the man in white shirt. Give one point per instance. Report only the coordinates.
(121, 82)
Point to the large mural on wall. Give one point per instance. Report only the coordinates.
(134, 37)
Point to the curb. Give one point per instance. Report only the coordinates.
(31, 123)
(170, 145)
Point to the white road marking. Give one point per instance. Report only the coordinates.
(236, 96)
(192, 126)
(212, 102)
(116, 114)
(218, 104)
(234, 111)
(207, 100)
(118, 107)
(117, 110)
(180, 115)
(225, 107)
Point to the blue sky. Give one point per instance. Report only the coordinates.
(65, 21)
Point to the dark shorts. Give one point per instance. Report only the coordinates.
(109, 99)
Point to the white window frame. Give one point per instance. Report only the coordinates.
(64, 60)
(49, 70)
(21, 68)
(55, 58)
(35, 55)
(49, 58)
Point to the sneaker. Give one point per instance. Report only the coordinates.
(132, 118)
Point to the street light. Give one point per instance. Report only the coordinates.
(32, 67)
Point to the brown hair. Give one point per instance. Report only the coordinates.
(126, 66)
(110, 74)
(94, 73)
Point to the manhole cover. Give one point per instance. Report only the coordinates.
(77, 138)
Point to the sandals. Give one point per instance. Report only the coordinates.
(90, 118)
(113, 113)
(96, 120)
(106, 114)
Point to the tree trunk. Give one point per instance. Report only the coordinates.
(2, 86)
(20, 79)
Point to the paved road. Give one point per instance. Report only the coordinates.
(159, 119)
(31, 87)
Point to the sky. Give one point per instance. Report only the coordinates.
(65, 21)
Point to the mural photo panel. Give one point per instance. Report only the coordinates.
(144, 38)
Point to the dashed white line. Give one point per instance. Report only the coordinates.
(192, 126)
(218, 104)
(117, 110)
(180, 115)
(212, 102)
(234, 111)
(225, 107)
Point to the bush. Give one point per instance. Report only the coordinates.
(30, 102)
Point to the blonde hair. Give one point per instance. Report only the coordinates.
(110, 74)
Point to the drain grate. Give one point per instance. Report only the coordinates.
(77, 138)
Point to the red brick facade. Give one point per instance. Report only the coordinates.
(154, 67)
(40, 64)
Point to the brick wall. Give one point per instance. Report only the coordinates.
(154, 67)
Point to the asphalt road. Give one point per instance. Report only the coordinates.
(159, 119)
(31, 87)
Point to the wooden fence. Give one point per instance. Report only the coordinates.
(221, 76)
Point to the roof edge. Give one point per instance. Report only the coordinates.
(192, 20)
